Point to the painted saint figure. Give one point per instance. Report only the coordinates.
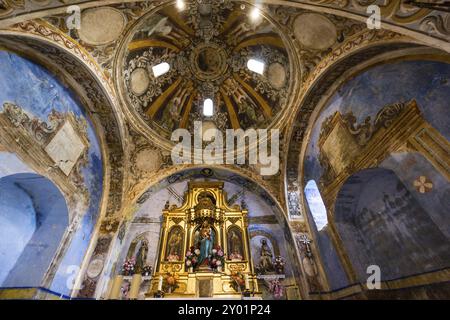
(235, 245)
(174, 243)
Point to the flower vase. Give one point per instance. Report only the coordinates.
(219, 269)
(191, 269)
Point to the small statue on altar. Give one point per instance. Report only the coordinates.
(205, 236)
(266, 256)
(235, 245)
(141, 257)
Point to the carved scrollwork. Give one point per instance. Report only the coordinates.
(237, 267)
(420, 17)
(40, 130)
(8, 6)
(43, 132)
(362, 133)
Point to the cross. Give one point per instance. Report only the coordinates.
(306, 241)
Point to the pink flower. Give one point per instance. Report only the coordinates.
(188, 253)
(220, 253)
(218, 263)
(214, 260)
(194, 260)
(188, 263)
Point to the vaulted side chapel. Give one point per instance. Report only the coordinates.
(203, 149)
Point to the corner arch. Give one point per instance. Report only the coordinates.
(29, 248)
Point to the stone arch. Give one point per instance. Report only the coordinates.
(327, 78)
(75, 67)
(324, 79)
(222, 174)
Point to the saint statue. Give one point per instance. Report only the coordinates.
(141, 257)
(205, 236)
(235, 243)
(265, 260)
(174, 243)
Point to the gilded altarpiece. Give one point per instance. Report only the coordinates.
(205, 225)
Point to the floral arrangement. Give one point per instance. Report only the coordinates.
(236, 256)
(128, 267)
(276, 288)
(147, 271)
(171, 282)
(173, 257)
(238, 283)
(279, 264)
(192, 257)
(217, 258)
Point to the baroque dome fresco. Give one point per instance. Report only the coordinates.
(226, 52)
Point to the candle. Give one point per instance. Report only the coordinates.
(160, 283)
(247, 283)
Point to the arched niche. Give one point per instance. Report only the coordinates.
(33, 219)
(235, 244)
(399, 74)
(381, 223)
(265, 214)
(61, 77)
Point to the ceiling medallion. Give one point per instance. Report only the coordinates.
(208, 61)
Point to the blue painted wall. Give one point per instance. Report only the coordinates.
(428, 82)
(37, 91)
(17, 224)
(381, 223)
(51, 220)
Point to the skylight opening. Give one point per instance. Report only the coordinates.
(208, 108)
(180, 5)
(316, 205)
(254, 14)
(160, 69)
(256, 66)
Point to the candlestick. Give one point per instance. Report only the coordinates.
(247, 283)
(160, 283)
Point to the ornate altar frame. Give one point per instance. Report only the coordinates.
(188, 218)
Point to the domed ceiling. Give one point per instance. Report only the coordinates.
(186, 53)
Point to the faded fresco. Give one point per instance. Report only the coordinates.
(428, 82)
(415, 181)
(38, 92)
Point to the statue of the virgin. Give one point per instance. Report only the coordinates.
(206, 238)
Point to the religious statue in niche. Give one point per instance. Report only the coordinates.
(175, 244)
(204, 240)
(265, 259)
(235, 244)
(141, 257)
(207, 224)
